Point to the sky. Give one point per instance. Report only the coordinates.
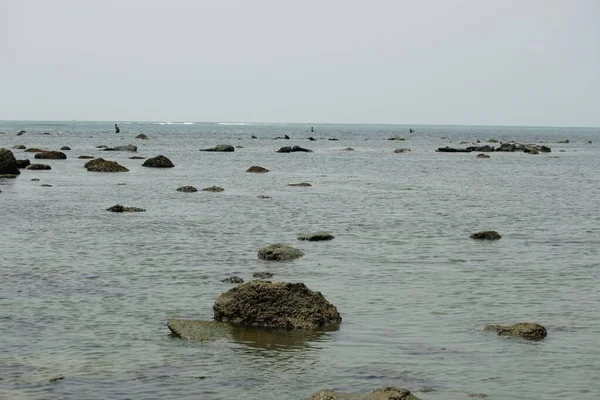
(442, 62)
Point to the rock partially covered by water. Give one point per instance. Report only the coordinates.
(19, 147)
(158, 162)
(301, 184)
(128, 147)
(486, 235)
(481, 155)
(233, 279)
(279, 252)
(8, 163)
(275, 305)
(65, 148)
(119, 208)
(452, 150)
(39, 167)
(262, 275)
(86, 157)
(293, 149)
(256, 168)
(316, 236)
(187, 189)
(221, 148)
(141, 136)
(102, 165)
(23, 163)
(388, 393)
(34, 150)
(214, 189)
(197, 330)
(402, 150)
(51, 155)
(527, 330)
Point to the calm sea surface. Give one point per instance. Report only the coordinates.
(85, 294)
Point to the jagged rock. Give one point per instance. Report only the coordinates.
(256, 168)
(187, 189)
(214, 189)
(233, 279)
(38, 167)
(275, 305)
(388, 393)
(8, 163)
(481, 155)
(527, 330)
(293, 149)
(65, 148)
(279, 252)
(120, 208)
(316, 236)
(23, 163)
(197, 330)
(141, 136)
(51, 155)
(128, 147)
(102, 165)
(304, 184)
(262, 275)
(221, 148)
(404, 150)
(486, 235)
(158, 162)
(19, 147)
(86, 157)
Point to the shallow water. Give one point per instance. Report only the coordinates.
(85, 294)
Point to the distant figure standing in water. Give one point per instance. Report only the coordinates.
(312, 129)
(117, 130)
(410, 130)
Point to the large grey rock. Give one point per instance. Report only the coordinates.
(279, 252)
(128, 147)
(221, 148)
(8, 163)
(527, 330)
(158, 162)
(388, 393)
(275, 305)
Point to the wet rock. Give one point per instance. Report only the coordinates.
(279, 252)
(214, 189)
(45, 185)
(254, 137)
(34, 150)
(333, 139)
(158, 162)
(349, 149)
(35, 179)
(563, 141)
(187, 189)
(486, 235)
(275, 305)
(397, 138)
(21, 132)
(8, 176)
(142, 136)
(19, 147)
(199, 331)
(56, 379)
(233, 279)
(262, 196)
(51, 155)
(258, 169)
(316, 236)
(293, 149)
(262, 275)
(38, 167)
(65, 148)
(221, 148)
(527, 330)
(481, 155)
(137, 158)
(388, 393)
(128, 147)
(312, 139)
(452, 150)
(102, 146)
(86, 157)
(102, 165)
(286, 137)
(119, 208)
(484, 149)
(8, 163)
(23, 163)
(303, 184)
(401, 150)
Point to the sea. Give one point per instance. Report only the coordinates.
(85, 294)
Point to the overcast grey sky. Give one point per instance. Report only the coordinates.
(496, 62)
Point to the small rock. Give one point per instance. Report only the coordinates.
(137, 158)
(38, 167)
(316, 236)
(21, 132)
(388, 393)
(254, 137)
(51, 155)
(56, 379)
(563, 141)
(279, 252)
(256, 168)
(120, 208)
(86, 157)
(233, 279)
(45, 185)
(187, 189)
(221, 148)
(19, 147)
(349, 149)
(333, 139)
(312, 139)
(214, 189)
(35, 179)
(486, 235)
(481, 155)
(142, 136)
(158, 162)
(404, 150)
(65, 148)
(527, 330)
(102, 146)
(398, 139)
(262, 196)
(293, 149)
(262, 275)
(305, 184)
(128, 147)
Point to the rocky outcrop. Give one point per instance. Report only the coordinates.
(214, 189)
(23, 163)
(102, 165)
(293, 149)
(486, 235)
(388, 393)
(256, 168)
(8, 163)
(39, 167)
(158, 162)
(221, 148)
(142, 136)
(187, 189)
(279, 252)
(51, 155)
(119, 208)
(197, 330)
(301, 184)
(527, 330)
(316, 236)
(233, 279)
(128, 147)
(275, 305)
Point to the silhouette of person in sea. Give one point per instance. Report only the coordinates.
(410, 130)
(312, 129)
(117, 130)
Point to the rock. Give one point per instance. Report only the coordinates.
(86, 157)
(120, 208)
(312, 139)
(51, 155)
(214, 189)
(254, 137)
(197, 330)
(65, 148)
(279, 252)
(35, 179)
(401, 150)
(233, 279)
(452, 150)
(398, 139)
(8, 176)
(492, 141)
(39, 167)
(23, 163)
(8, 163)
(388, 393)
(137, 158)
(256, 168)
(239, 147)
(187, 189)
(293, 149)
(333, 139)
(545, 149)
(349, 149)
(304, 184)
(56, 379)
(275, 305)
(102, 165)
(102, 146)
(45, 185)
(34, 150)
(316, 236)
(128, 147)
(21, 132)
(262, 275)
(158, 162)
(221, 148)
(485, 148)
(19, 147)
(563, 141)
(142, 136)
(527, 330)
(481, 155)
(486, 235)
(262, 196)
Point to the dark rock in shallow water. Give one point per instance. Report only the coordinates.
(262, 275)
(137, 158)
(275, 305)
(221, 148)
(65, 148)
(39, 167)
(262, 196)
(333, 139)
(527, 330)
(402, 150)
(351, 149)
(21, 132)
(187, 189)
(316, 236)
(120, 208)
(256, 168)
(312, 139)
(388, 393)
(8, 163)
(197, 330)
(128, 147)
(485, 148)
(214, 189)
(486, 235)
(293, 149)
(481, 155)
(23, 163)
(233, 279)
(19, 147)
(158, 162)
(141, 136)
(304, 184)
(102, 165)
(51, 155)
(8, 176)
(45, 185)
(34, 150)
(86, 157)
(254, 137)
(279, 252)
(452, 150)
(102, 146)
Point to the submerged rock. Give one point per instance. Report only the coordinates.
(403, 150)
(262, 196)
(51, 155)
(137, 158)
(262, 275)
(316, 236)
(34, 150)
(293, 149)
(349, 149)
(486, 235)
(279, 252)
(397, 138)
(158, 162)
(141, 136)
(8, 163)
(120, 208)
(214, 189)
(527, 330)
(38, 167)
(388, 393)
(256, 168)
(481, 155)
(86, 157)
(65, 148)
(233, 279)
(275, 305)
(197, 330)
(221, 148)
(304, 184)
(102, 165)
(128, 147)
(187, 189)
(19, 147)
(452, 150)
(23, 163)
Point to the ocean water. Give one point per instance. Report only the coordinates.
(85, 294)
